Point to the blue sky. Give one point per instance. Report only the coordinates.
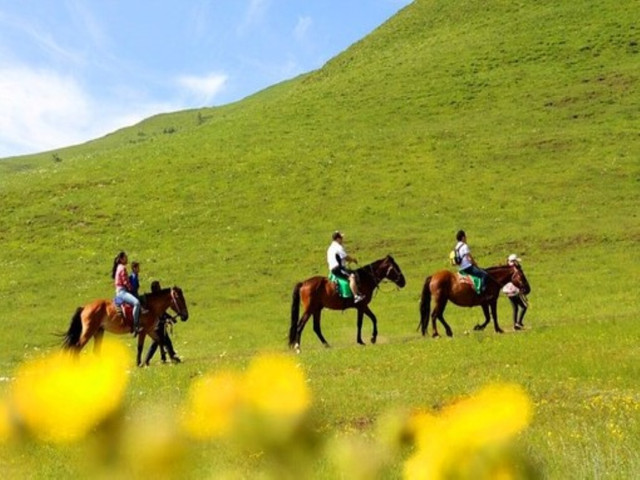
(74, 70)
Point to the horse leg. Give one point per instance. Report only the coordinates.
(318, 330)
(359, 325)
(374, 321)
(301, 323)
(141, 337)
(438, 314)
(494, 313)
(89, 329)
(487, 317)
(97, 341)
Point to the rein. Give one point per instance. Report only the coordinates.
(376, 281)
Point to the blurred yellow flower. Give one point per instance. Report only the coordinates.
(60, 397)
(275, 384)
(480, 423)
(212, 404)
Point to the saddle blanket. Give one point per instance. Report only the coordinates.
(343, 288)
(473, 281)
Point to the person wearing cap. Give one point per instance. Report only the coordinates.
(518, 299)
(337, 258)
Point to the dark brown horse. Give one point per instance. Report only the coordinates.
(318, 292)
(446, 285)
(94, 318)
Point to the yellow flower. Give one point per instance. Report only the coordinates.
(274, 384)
(494, 414)
(212, 404)
(463, 433)
(60, 397)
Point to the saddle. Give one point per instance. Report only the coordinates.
(471, 280)
(125, 311)
(342, 286)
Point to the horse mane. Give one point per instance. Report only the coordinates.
(495, 267)
(159, 293)
(371, 266)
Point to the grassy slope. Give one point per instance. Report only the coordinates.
(515, 122)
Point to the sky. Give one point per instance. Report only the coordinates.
(75, 70)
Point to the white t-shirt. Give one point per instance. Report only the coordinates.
(464, 251)
(335, 249)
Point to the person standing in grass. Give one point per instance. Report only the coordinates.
(123, 288)
(165, 344)
(337, 258)
(518, 300)
(467, 263)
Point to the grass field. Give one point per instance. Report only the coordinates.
(515, 121)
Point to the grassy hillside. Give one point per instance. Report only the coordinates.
(515, 121)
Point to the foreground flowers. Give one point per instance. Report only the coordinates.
(263, 417)
(271, 398)
(470, 438)
(60, 398)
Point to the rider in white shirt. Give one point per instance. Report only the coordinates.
(467, 264)
(337, 258)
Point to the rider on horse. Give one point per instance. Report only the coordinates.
(467, 263)
(123, 287)
(337, 258)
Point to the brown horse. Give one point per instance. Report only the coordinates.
(94, 318)
(318, 292)
(446, 285)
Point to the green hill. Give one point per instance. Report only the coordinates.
(517, 121)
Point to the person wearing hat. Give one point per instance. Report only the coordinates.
(337, 258)
(518, 299)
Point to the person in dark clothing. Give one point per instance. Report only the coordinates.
(166, 345)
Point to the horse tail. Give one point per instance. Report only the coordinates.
(425, 305)
(295, 314)
(72, 337)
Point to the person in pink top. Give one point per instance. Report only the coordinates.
(123, 287)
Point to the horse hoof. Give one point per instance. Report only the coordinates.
(296, 348)
(373, 340)
(326, 345)
(478, 327)
(360, 342)
(499, 330)
(435, 335)
(176, 359)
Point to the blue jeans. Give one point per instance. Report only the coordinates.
(126, 297)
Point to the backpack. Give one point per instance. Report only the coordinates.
(454, 257)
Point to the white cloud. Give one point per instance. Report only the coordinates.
(41, 110)
(202, 89)
(44, 110)
(255, 15)
(302, 27)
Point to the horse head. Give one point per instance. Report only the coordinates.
(519, 279)
(391, 270)
(179, 304)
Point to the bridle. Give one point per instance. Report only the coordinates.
(386, 275)
(175, 304)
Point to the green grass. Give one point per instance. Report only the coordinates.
(516, 122)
